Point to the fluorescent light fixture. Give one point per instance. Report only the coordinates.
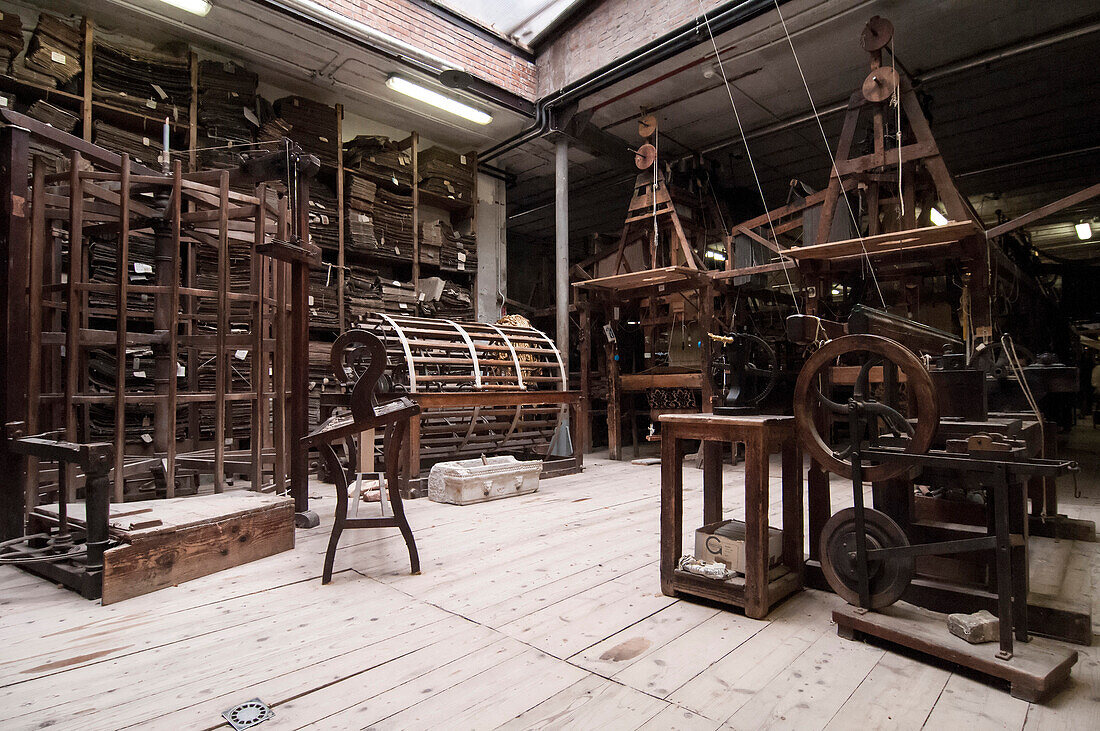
(198, 7)
(938, 219)
(447, 104)
(716, 255)
(1084, 230)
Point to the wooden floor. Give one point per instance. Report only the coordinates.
(541, 611)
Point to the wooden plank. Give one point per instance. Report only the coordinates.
(1037, 668)
(590, 703)
(898, 693)
(884, 243)
(969, 703)
(642, 381)
(182, 555)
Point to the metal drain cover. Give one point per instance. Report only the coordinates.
(248, 714)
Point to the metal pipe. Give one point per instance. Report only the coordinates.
(561, 246)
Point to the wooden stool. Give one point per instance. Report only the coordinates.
(366, 414)
(756, 592)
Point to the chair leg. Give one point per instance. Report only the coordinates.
(395, 435)
(341, 480)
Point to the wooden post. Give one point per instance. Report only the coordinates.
(672, 508)
(122, 295)
(279, 361)
(341, 306)
(193, 115)
(299, 359)
(86, 102)
(756, 525)
(258, 373)
(706, 312)
(13, 307)
(415, 142)
(583, 427)
(38, 257)
(614, 420)
(75, 314)
(220, 361)
(172, 369)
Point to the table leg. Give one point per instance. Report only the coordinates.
(756, 527)
(792, 505)
(712, 481)
(672, 506)
(819, 506)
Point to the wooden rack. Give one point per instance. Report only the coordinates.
(246, 333)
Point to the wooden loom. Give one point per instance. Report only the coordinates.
(205, 328)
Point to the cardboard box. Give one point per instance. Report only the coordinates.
(725, 542)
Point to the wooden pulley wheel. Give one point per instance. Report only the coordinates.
(872, 350)
(887, 578)
(647, 125)
(880, 84)
(645, 156)
(876, 34)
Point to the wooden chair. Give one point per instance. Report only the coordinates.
(359, 360)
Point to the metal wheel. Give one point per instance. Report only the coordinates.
(745, 369)
(812, 406)
(887, 578)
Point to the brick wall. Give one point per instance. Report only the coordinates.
(423, 29)
(610, 29)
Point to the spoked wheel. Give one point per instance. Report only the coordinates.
(869, 354)
(746, 369)
(887, 578)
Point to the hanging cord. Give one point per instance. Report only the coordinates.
(748, 154)
(653, 193)
(832, 159)
(895, 101)
(1018, 371)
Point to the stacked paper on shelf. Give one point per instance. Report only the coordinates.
(56, 117)
(312, 126)
(154, 83)
(54, 49)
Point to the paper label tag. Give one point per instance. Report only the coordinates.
(324, 219)
(461, 267)
(229, 67)
(57, 57)
(146, 438)
(180, 370)
(145, 141)
(251, 116)
(420, 298)
(397, 251)
(402, 305)
(139, 374)
(240, 354)
(396, 283)
(462, 256)
(462, 159)
(311, 300)
(3, 101)
(142, 268)
(151, 103)
(137, 364)
(159, 91)
(323, 139)
(363, 218)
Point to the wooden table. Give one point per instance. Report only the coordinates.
(756, 592)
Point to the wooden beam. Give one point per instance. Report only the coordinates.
(1039, 213)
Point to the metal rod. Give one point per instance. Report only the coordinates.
(561, 247)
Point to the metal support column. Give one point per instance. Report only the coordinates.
(561, 247)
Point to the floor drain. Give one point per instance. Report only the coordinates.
(248, 714)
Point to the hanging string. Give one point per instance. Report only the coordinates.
(748, 155)
(653, 193)
(895, 101)
(832, 159)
